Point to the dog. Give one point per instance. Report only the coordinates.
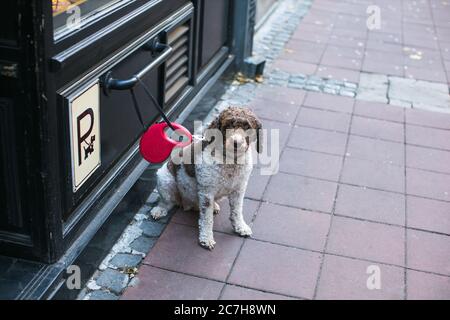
(199, 185)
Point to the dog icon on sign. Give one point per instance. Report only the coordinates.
(90, 148)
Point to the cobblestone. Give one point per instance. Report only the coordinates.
(143, 244)
(296, 85)
(102, 295)
(151, 228)
(330, 90)
(125, 260)
(113, 280)
(347, 93)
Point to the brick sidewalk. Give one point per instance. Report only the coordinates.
(360, 183)
(342, 201)
(333, 40)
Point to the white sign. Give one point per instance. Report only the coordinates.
(84, 110)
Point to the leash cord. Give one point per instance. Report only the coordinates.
(136, 108)
(160, 109)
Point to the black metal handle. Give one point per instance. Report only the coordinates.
(110, 83)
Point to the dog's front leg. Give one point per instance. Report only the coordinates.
(237, 218)
(206, 220)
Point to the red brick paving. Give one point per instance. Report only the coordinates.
(428, 214)
(427, 119)
(297, 191)
(380, 151)
(285, 95)
(178, 250)
(318, 140)
(321, 119)
(334, 36)
(343, 200)
(283, 225)
(427, 286)
(367, 240)
(231, 292)
(417, 135)
(311, 164)
(428, 252)
(379, 111)
(375, 175)
(345, 278)
(372, 205)
(312, 240)
(222, 221)
(159, 284)
(329, 102)
(267, 109)
(378, 129)
(277, 269)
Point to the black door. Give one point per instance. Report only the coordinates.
(77, 131)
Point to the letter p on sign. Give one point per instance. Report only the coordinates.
(84, 110)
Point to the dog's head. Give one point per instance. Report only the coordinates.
(239, 127)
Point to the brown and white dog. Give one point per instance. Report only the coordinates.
(207, 173)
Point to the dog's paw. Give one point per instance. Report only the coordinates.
(216, 208)
(207, 243)
(158, 213)
(243, 230)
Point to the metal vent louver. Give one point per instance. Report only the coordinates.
(177, 66)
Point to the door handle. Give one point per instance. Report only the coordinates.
(110, 83)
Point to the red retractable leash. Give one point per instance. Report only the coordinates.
(156, 143)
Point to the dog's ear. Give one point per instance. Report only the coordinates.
(215, 124)
(256, 124)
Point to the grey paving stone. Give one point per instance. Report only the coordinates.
(296, 85)
(277, 82)
(312, 88)
(330, 91)
(422, 94)
(279, 75)
(125, 260)
(372, 81)
(143, 244)
(351, 85)
(151, 228)
(335, 82)
(102, 295)
(400, 103)
(113, 280)
(347, 93)
(314, 83)
(315, 78)
(297, 80)
(331, 86)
